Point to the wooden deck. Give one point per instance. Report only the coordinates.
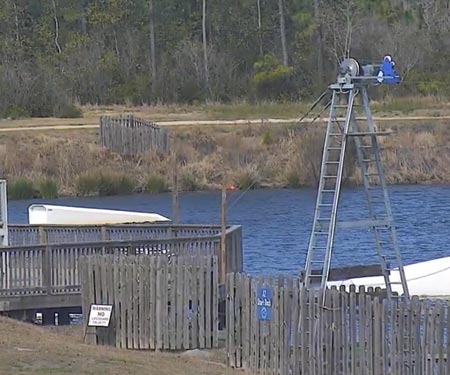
(45, 274)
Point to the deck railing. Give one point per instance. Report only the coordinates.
(52, 268)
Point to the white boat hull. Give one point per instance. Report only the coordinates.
(68, 215)
(427, 279)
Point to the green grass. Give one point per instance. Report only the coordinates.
(21, 188)
(48, 188)
(103, 184)
(155, 184)
(255, 111)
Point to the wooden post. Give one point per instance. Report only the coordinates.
(223, 221)
(175, 203)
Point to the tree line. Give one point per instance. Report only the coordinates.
(57, 52)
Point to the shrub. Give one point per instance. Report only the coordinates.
(67, 110)
(267, 138)
(247, 178)
(22, 188)
(103, 184)
(87, 184)
(272, 80)
(292, 179)
(114, 184)
(15, 112)
(156, 184)
(48, 188)
(188, 182)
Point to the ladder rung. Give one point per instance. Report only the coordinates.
(334, 148)
(362, 134)
(369, 160)
(331, 162)
(366, 146)
(319, 248)
(329, 176)
(340, 106)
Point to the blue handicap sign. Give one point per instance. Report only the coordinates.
(264, 303)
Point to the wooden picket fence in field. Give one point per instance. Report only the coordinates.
(159, 302)
(130, 135)
(354, 332)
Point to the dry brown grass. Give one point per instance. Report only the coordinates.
(276, 155)
(29, 349)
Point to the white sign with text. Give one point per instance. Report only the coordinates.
(100, 315)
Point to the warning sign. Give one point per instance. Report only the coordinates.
(100, 315)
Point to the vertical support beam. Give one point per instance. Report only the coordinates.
(175, 203)
(47, 269)
(223, 224)
(4, 213)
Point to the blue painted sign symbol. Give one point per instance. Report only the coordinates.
(264, 303)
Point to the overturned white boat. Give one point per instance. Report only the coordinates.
(427, 279)
(69, 215)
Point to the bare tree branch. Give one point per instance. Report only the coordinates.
(55, 17)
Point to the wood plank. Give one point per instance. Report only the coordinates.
(165, 302)
(186, 299)
(123, 303)
(303, 336)
(129, 306)
(448, 340)
(173, 305)
(180, 303)
(295, 358)
(328, 333)
(440, 342)
(345, 332)
(433, 323)
(246, 321)
(194, 298)
(117, 301)
(377, 335)
(230, 308)
(215, 303)
(140, 280)
(287, 306)
(159, 302)
(238, 321)
(362, 331)
(152, 306)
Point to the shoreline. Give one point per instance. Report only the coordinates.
(236, 191)
(71, 163)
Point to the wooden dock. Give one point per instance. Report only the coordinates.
(40, 271)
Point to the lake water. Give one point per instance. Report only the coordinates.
(277, 222)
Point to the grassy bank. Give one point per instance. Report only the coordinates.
(45, 163)
(28, 349)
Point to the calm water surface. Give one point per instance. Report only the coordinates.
(276, 223)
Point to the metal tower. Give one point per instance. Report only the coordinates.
(343, 128)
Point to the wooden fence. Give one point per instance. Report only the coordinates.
(351, 333)
(129, 135)
(158, 303)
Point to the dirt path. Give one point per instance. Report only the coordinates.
(92, 122)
